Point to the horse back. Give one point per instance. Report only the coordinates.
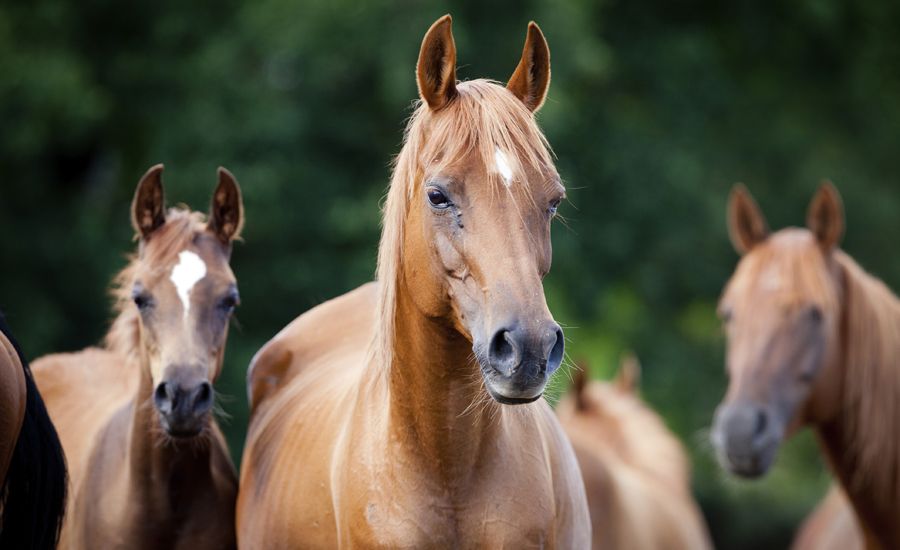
(341, 324)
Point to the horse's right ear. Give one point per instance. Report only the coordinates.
(746, 225)
(148, 209)
(436, 68)
(629, 376)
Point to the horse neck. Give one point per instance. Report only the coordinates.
(438, 406)
(159, 466)
(860, 442)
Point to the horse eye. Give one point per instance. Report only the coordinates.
(228, 303)
(554, 206)
(437, 198)
(142, 300)
(815, 314)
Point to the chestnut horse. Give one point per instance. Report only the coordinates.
(436, 435)
(812, 340)
(32, 465)
(635, 471)
(149, 466)
(831, 526)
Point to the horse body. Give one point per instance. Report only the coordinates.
(813, 340)
(407, 413)
(150, 467)
(635, 471)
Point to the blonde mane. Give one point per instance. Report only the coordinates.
(871, 397)
(482, 118)
(180, 228)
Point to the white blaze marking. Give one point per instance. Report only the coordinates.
(503, 166)
(185, 274)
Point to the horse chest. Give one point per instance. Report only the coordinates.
(417, 512)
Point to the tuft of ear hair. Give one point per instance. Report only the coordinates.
(436, 67)
(148, 208)
(629, 376)
(226, 210)
(531, 79)
(746, 225)
(825, 217)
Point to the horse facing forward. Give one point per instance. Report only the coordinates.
(435, 435)
(636, 473)
(812, 340)
(149, 466)
(32, 465)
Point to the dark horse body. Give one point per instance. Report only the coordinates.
(32, 464)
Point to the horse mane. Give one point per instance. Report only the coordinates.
(871, 396)
(181, 226)
(483, 117)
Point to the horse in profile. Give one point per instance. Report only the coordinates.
(636, 473)
(408, 413)
(32, 464)
(149, 466)
(813, 340)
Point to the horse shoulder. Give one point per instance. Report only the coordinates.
(341, 323)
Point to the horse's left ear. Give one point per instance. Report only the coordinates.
(531, 79)
(825, 217)
(629, 377)
(226, 212)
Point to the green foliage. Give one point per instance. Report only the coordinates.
(656, 108)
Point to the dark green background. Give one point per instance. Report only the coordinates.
(655, 110)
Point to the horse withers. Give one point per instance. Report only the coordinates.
(149, 466)
(408, 413)
(813, 340)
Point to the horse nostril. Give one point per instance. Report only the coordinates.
(554, 360)
(163, 397)
(761, 423)
(203, 397)
(503, 352)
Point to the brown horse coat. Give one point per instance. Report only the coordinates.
(12, 402)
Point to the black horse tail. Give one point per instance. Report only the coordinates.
(33, 495)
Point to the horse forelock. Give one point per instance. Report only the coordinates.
(179, 231)
(484, 119)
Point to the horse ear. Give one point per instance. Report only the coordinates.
(628, 378)
(148, 209)
(226, 211)
(436, 68)
(825, 217)
(531, 79)
(746, 225)
(578, 385)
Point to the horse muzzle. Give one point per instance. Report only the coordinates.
(746, 437)
(518, 362)
(183, 406)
